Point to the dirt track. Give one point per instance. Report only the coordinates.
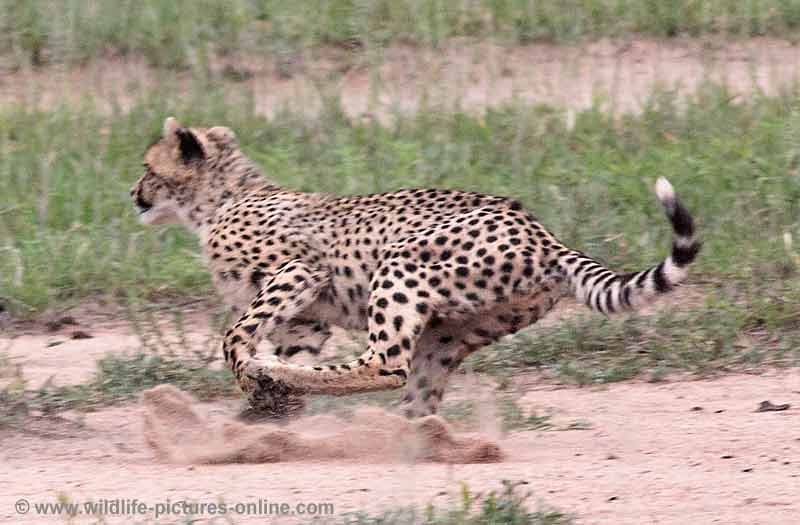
(648, 458)
(620, 74)
(678, 452)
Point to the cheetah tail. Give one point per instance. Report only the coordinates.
(608, 292)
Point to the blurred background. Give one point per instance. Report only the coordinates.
(574, 107)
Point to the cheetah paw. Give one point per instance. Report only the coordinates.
(269, 398)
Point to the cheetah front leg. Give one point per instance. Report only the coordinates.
(446, 343)
(396, 320)
(292, 289)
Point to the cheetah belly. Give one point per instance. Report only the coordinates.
(235, 293)
(342, 304)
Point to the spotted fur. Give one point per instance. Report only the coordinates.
(431, 275)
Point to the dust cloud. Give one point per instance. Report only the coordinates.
(178, 432)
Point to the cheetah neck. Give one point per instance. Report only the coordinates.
(227, 179)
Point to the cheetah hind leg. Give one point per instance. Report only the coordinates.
(438, 354)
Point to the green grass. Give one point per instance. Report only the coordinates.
(184, 33)
(67, 229)
(508, 506)
(118, 378)
(732, 331)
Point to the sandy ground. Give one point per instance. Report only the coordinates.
(685, 451)
(620, 74)
(49, 352)
(650, 456)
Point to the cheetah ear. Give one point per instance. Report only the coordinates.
(223, 134)
(191, 149)
(171, 127)
(188, 143)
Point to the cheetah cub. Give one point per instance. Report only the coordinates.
(431, 275)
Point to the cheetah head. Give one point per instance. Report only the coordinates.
(177, 170)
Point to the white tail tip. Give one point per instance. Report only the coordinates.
(664, 190)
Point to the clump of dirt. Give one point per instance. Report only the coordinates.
(179, 433)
